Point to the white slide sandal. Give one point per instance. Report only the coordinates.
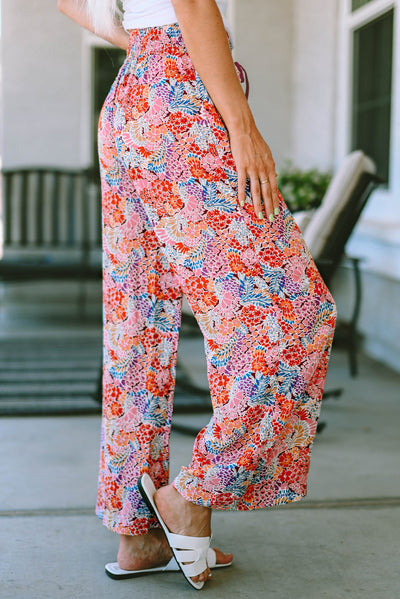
(184, 548)
(114, 571)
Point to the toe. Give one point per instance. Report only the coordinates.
(203, 577)
(223, 558)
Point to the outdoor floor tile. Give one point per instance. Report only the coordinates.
(302, 553)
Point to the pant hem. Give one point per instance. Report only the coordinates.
(281, 494)
(139, 526)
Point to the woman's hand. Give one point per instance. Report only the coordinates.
(254, 162)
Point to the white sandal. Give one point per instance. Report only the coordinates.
(114, 571)
(184, 548)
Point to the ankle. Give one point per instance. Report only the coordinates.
(183, 515)
(134, 543)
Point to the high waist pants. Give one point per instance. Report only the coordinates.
(173, 226)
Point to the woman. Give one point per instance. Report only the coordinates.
(191, 207)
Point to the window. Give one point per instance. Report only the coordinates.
(372, 90)
(106, 62)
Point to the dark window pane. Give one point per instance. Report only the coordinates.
(105, 65)
(372, 90)
(358, 3)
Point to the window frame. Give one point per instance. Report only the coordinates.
(366, 2)
(384, 203)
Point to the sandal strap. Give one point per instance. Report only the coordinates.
(187, 555)
(190, 549)
(195, 568)
(185, 542)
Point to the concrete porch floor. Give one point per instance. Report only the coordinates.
(341, 541)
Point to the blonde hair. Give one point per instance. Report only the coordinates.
(103, 14)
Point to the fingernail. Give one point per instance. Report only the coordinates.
(276, 211)
(242, 203)
(260, 215)
(271, 218)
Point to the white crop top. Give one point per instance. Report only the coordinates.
(154, 13)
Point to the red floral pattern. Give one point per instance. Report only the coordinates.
(172, 226)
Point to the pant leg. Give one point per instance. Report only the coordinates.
(142, 309)
(268, 321)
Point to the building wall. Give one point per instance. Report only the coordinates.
(290, 51)
(314, 82)
(41, 95)
(264, 43)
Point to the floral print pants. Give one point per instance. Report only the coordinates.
(173, 226)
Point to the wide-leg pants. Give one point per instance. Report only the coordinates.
(172, 226)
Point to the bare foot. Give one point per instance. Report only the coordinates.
(186, 518)
(144, 551)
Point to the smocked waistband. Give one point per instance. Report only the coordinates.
(157, 40)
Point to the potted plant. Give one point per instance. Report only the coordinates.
(302, 190)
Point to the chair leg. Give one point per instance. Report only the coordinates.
(354, 319)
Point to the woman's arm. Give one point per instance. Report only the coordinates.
(77, 12)
(205, 37)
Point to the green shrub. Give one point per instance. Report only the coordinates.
(302, 190)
